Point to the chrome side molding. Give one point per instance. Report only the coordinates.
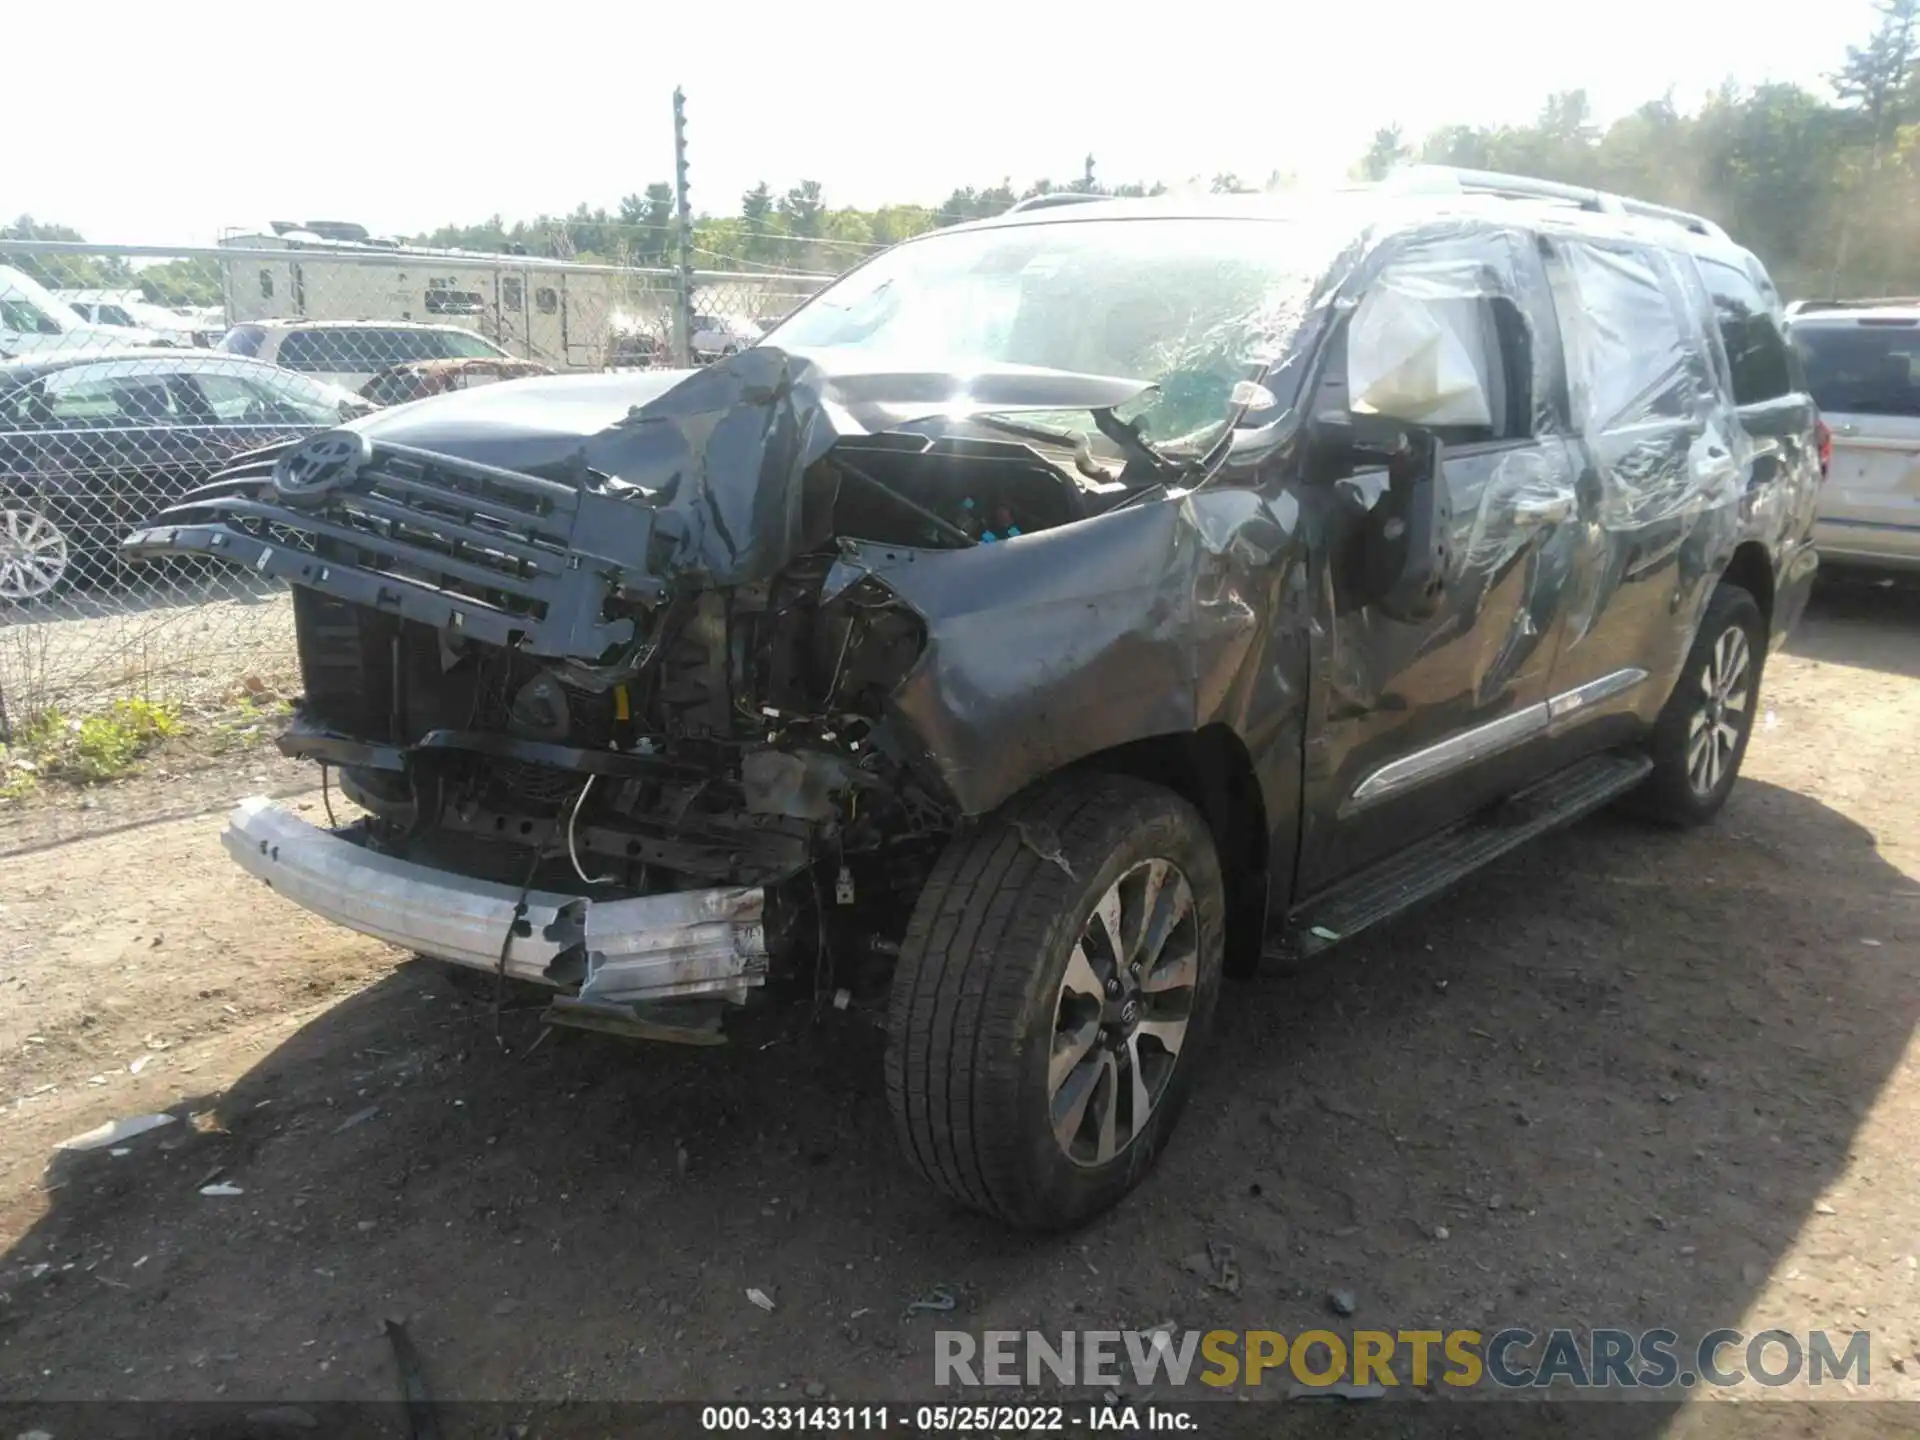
(1482, 742)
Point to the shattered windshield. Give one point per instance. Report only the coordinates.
(1194, 306)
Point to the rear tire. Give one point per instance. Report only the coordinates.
(40, 553)
(1701, 736)
(1037, 1061)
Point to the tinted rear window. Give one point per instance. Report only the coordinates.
(1861, 369)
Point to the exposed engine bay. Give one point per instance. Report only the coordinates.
(607, 675)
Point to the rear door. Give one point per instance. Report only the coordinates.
(1861, 370)
(1661, 467)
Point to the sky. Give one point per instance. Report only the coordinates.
(190, 118)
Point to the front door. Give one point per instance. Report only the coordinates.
(1416, 723)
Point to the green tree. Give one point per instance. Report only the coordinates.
(1386, 154)
(803, 210)
(1878, 76)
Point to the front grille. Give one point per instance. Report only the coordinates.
(508, 558)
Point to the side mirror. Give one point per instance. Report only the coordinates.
(1417, 359)
(1407, 539)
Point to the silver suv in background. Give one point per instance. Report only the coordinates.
(349, 353)
(1860, 358)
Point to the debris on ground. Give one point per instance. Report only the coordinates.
(114, 1131)
(1343, 1302)
(359, 1117)
(1224, 1262)
(939, 1298)
(762, 1299)
(221, 1189)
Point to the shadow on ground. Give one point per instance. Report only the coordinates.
(1864, 620)
(1619, 1070)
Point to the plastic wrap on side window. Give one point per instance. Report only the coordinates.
(1643, 388)
(1418, 355)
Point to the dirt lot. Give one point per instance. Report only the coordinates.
(1640, 1079)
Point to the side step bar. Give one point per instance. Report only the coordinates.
(1423, 870)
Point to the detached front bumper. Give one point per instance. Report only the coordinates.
(709, 943)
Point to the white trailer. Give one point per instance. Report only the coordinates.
(562, 313)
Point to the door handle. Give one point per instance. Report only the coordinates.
(1535, 510)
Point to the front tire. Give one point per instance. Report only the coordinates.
(1701, 736)
(1054, 996)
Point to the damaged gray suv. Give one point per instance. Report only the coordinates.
(1050, 618)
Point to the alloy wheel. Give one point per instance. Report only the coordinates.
(1122, 1012)
(34, 555)
(1713, 734)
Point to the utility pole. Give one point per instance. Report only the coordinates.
(683, 211)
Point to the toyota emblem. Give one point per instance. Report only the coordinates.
(321, 463)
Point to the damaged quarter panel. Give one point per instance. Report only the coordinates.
(1155, 620)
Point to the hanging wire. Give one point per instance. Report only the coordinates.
(573, 852)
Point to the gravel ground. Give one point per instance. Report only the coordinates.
(1632, 1078)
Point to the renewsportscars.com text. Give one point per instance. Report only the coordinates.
(1509, 1359)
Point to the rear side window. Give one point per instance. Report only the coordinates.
(1861, 368)
(1750, 332)
(1630, 359)
(459, 345)
(352, 351)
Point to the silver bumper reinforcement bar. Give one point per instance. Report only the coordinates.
(657, 947)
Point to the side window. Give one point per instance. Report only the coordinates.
(251, 400)
(1629, 358)
(109, 395)
(546, 300)
(377, 349)
(513, 292)
(1443, 321)
(266, 284)
(446, 295)
(1750, 331)
(25, 318)
(300, 350)
(459, 345)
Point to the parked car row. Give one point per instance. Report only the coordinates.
(129, 310)
(35, 321)
(93, 441)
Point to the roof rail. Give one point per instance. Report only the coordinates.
(1052, 198)
(1807, 307)
(1417, 178)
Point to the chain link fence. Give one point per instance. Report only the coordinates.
(135, 372)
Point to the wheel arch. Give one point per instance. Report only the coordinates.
(1751, 568)
(1211, 769)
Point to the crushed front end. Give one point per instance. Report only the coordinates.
(615, 708)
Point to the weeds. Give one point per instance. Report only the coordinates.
(101, 747)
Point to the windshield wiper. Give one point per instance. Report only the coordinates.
(1140, 452)
(1083, 458)
(1073, 440)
